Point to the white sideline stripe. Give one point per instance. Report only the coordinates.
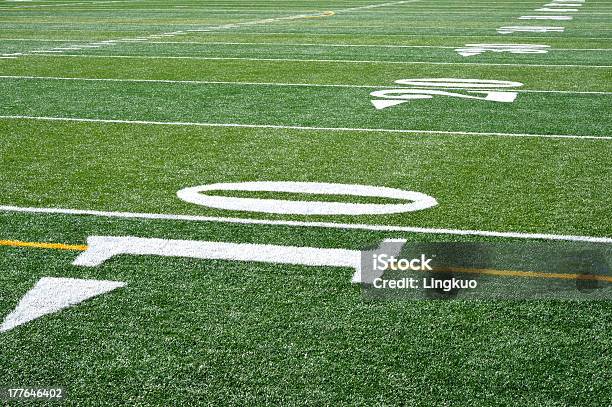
(314, 85)
(281, 127)
(314, 44)
(289, 33)
(342, 61)
(315, 34)
(330, 225)
(292, 44)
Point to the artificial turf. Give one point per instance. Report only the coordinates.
(211, 332)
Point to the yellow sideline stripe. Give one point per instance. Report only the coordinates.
(324, 14)
(42, 245)
(532, 274)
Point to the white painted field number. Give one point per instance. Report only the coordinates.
(477, 49)
(528, 29)
(411, 201)
(396, 96)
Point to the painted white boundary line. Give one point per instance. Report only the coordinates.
(220, 27)
(314, 44)
(281, 127)
(339, 61)
(331, 225)
(315, 34)
(371, 6)
(314, 85)
(289, 44)
(27, 6)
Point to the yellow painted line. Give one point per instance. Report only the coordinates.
(324, 14)
(531, 274)
(43, 245)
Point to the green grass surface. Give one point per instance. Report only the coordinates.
(211, 332)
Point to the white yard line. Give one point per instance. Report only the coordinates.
(209, 28)
(372, 6)
(314, 85)
(293, 44)
(282, 127)
(339, 61)
(68, 4)
(258, 33)
(330, 225)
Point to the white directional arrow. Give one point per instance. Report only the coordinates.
(51, 295)
(382, 104)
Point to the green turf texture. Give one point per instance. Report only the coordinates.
(195, 332)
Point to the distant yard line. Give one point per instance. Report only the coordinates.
(349, 45)
(542, 38)
(373, 6)
(26, 6)
(369, 6)
(293, 44)
(346, 10)
(239, 24)
(258, 33)
(314, 85)
(490, 13)
(215, 26)
(340, 61)
(331, 225)
(282, 127)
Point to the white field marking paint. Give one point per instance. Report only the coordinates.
(325, 45)
(299, 44)
(180, 32)
(416, 201)
(314, 85)
(102, 248)
(371, 6)
(67, 4)
(363, 34)
(477, 49)
(559, 18)
(335, 61)
(458, 83)
(556, 6)
(51, 295)
(394, 97)
(561, 10)
(530, 29)
(369, 34)
(294, 44)
(290, 223)
(307, 128)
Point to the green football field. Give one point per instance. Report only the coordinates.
(192, 144)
